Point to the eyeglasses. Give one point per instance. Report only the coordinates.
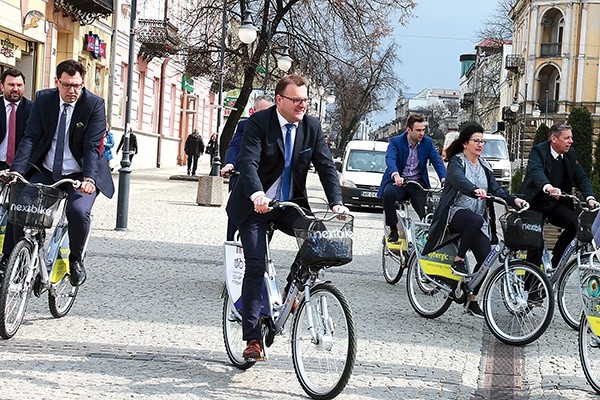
(295, 100)
(477, 141)
(68, 86)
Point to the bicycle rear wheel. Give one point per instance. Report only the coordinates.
(15, 289)
(589, 353)
(232, 335)
(323, 364)
(518, 305)
(392, 268)
(568, 293)
(61, 295)
(425, 295)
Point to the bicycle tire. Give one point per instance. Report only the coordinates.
(324, 366)
(15, 290)
(62, 295)
(425, 297)
(568, 292)
(232, 336)
(521, 315)
(589, 353)
(392, 269)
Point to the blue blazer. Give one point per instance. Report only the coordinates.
(86, 133)
(397, 154)
(233, 150)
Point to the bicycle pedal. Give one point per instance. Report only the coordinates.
(256, 359)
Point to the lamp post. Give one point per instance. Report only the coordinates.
(284, 61)
(546, 110)
(514, 107)
(247, 34)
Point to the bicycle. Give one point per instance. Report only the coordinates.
(323, 335)
(32, 265)
(589, 324)
(395, 255)
(516, 296)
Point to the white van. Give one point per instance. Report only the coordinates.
(361, 171)
(495, 151)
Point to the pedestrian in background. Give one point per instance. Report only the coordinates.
(194, 147)
(211, 146)
(17, 109)
(133, 146)
(109, 143)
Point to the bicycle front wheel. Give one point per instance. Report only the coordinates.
(323, 342)
(15, 289)
(426, 296)
(61, 295)
(568, 293)
(589, 353)
(392, 268)
(518, 304)
(232, 335)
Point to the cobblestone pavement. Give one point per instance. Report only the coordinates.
(147, 323)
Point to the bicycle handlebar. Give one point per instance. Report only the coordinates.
(275, 204)
(17, 176)
(500, 200)
(582, 204)
(433, 190)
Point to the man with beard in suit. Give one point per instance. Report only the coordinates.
(17, 107)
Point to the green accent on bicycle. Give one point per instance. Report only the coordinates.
(437, 268)
(400, 245)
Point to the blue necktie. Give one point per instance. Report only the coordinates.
(286, 177)
(60, 144)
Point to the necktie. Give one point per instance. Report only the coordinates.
(559, 158)
(286, 178)
(60, 144)
(12, 129)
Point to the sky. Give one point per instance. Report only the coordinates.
(432, 42)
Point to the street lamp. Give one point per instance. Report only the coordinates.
(284, 61)
(514, 107)
(247, 34)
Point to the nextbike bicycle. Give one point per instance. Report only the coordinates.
(322, 330)
(394, 256)
(33, 265)
(516, 297)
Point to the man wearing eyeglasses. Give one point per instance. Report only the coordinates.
(62, 140)
(278, 145)
(406, 159)
(553, 168)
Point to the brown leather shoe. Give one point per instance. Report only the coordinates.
(253, 350)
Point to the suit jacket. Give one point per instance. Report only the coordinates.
(22, 116)
(262, 155)
(538, 171)
(86, 133)
(397, 154)
(233, 150)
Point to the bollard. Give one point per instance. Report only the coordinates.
(210, 190)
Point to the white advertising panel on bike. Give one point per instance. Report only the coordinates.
(235, 266)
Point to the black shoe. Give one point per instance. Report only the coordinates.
(393, 237)
(188, 172)
(459, 268)
(38, 287)
(3, 262)
(76, 273)
(474, 310)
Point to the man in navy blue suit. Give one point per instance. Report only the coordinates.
(12, 84)
(233, 150)
(406, 159)
(278, 147)
(63, 140)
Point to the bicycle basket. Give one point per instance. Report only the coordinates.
(584, 225)
(326, 241)
(523, 231)
(432, 202)
(33, 205)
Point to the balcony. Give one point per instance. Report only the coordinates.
(551, 106)
(158, 37)
(467, 100)
(514, 63)
(550, 49)
(84, 11)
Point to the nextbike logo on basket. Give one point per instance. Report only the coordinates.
(338, 234)
(30, 208)
(532, 227)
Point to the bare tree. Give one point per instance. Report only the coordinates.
(325, 37)
(498, 25)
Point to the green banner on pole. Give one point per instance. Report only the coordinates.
(187, 83)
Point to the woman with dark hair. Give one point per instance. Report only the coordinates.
(462, 209)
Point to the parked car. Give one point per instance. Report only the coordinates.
(361, 171)
(495, 151)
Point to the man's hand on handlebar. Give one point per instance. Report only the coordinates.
(398, 180)
(226, 170)
(340, 209)
(593, 204)
(261, 204)
(553, 192)
(520, 203)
